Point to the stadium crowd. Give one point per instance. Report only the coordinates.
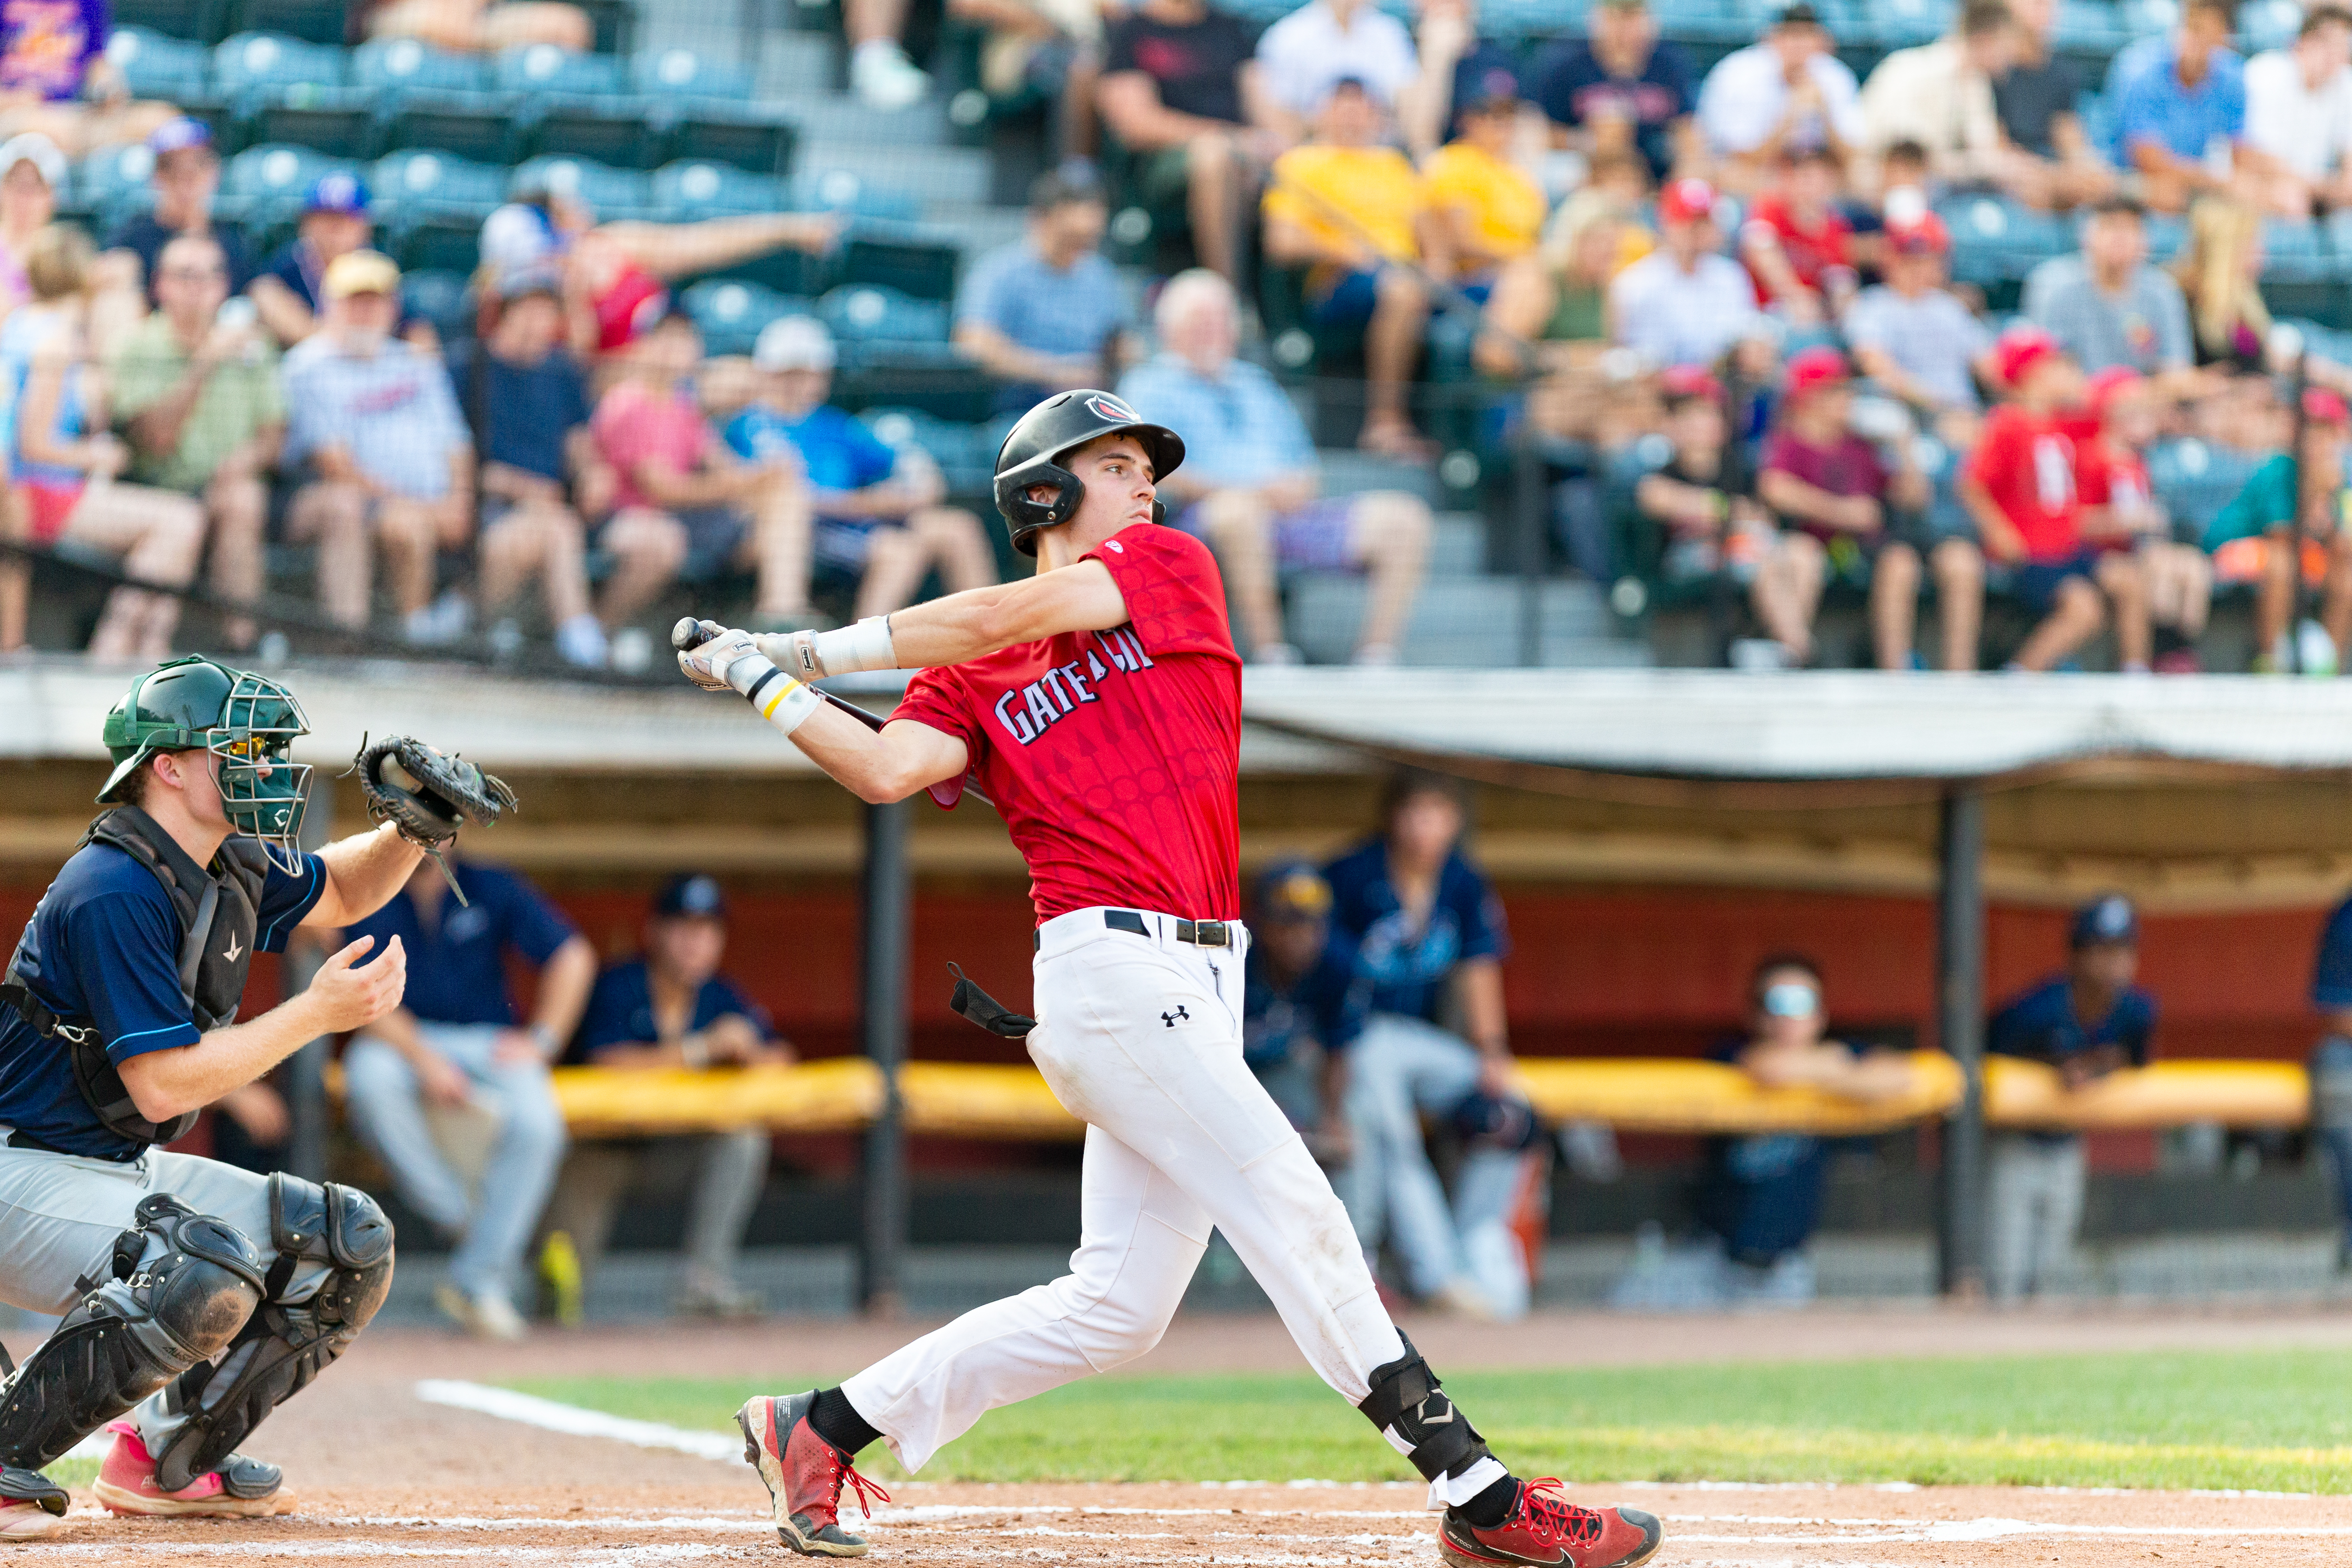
(1719, 302)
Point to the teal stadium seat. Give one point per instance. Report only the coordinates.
(417, 181)
(698, 188)
(250, 62)
(672, 75)
(919, 262)
(199, 21)
(758, 140)
(871, 312)
(312, 21)
(157, 66)
(441, 298)
(543, 71)
(841, 191)
(482, 126)
(730, 313)
(608, 192)
(404, 65)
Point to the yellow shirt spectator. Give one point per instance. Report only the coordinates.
(1505, 205)
(1375, 186)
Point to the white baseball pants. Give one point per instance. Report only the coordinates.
(1140, 1038)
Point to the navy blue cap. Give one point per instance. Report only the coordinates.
(2106, 920)
(1292, 890)
(692, 894)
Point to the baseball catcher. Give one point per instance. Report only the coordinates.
(1098, 704)
(195, 1296)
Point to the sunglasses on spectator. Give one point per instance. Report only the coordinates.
(1792, 999)
(196, 274)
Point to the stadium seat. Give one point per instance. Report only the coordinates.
(605, 189)
(268, 173)
(700, 188)
(340, 121)
(313, 21)
(250, 62)
(199, 21)
(616, 24)
(1901, 24)
(920, 264)
(543, 71)
(861, 312)
(752, 138)
(966, 454)
(107, 181)
(732, 313)
(157, 66)
(674, 74)
(436, 242)
(624, 133)
(2268, 24)
(2196, 480)
(440, 298)
(478, 125)
(404, 65)
(838, 190)
(417, 180)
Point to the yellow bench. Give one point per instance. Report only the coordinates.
(966, 1099)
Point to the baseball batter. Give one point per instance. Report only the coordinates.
(1098, 705)
(195, 1296)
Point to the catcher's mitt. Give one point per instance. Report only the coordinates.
(442, 793)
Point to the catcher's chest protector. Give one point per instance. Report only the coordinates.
(219, 914)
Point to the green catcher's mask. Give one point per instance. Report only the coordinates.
(247, 722)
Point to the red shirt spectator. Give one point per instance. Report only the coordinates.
(1797, 245)
(634, 425)
(2025, 463)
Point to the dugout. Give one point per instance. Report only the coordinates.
(1652, 834)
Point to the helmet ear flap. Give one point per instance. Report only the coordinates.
(1028, 516)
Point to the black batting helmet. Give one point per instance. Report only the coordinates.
(1034, 449)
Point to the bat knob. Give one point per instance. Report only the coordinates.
(690, 632)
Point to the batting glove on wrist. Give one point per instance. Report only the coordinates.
(713, 665)
(794, 653)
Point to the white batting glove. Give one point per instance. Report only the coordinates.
(794, 653)
(728, 662)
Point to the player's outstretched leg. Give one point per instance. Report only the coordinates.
(1501, 1519)
(806, 1470)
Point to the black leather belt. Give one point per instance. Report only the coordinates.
(1200, 933)
(22, 1139)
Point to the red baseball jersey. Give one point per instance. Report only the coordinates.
(1114, 757)
(2026, 463)
(2109, 474)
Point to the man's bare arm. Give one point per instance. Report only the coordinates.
(363, 871)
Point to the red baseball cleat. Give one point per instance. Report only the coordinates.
(1549, 1529)
(240, 1488)
(804, 1474)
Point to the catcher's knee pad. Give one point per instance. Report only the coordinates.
(1414, 1413)
(284, 1344)
(133, 1331)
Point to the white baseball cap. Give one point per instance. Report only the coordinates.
(37, 150)
(517, 236)
(793, 342)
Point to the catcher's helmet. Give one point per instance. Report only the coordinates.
(1033, 450)
(248, 720)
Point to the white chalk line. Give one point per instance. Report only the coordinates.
(550, 1415)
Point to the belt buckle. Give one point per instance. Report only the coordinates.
(1210, 933)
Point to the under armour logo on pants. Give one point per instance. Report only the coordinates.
(1169, 1018)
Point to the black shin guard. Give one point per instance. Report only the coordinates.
(133, 1333)
(1414, 1413)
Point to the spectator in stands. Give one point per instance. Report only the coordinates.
(679, 484)
(56, 80)
(881, 74)
(451, 1064)
(32, 172)
(1429, 937)
(2286, 525)
(64, 460)
(185, 178)
(2020, 488)
(673, 1008)
(335, 222)
(2120, 512)
(1762, 1196)
(197, 397)
(2331, 1066)
(1686, 302)
(1048, 312)
(1049, 50)
(1249, 482)
(1798, 246)
(1458, 68)
(2051, 162)
(1302, 1006)
(1702, 502)
(1181, 92)
(2220, 271)
(1832, 489)
(385, 456)
(2183, 127)
(616, 275)
(1559, 294)
(2299, 114)
(526, 400)
(880, 519)
(1787, 92)
(1492, 208)
(1356, 214)
(475, 26)
(1306, 54)
(1940, 96)
(2086, 1023)
(2107, 306)
(1621, 89)
(1915, 338)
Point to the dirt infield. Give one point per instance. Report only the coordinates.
(383, 1477)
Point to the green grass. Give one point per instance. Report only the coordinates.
(2263, 1420)
(73, 1472)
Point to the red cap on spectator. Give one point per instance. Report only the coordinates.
(2111, 384)
(1689, 380)
(1686, 201)
(2018, 350)
(1812, 369)
(2323, 406)
(1921, 236)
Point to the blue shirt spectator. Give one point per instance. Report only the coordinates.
(621, 1011)
(458, 969)
(1048, 312)
(1622, 75)
(834, 448)
(1326, 1005)
(1409, 963)
(1239, 427)
(104, 945)
(2042, 1026)
(2331, 979)
(2157, 106)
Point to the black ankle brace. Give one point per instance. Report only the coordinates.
(1412, 1413)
